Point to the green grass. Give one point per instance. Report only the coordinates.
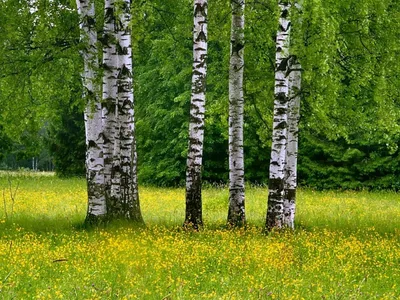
(346, 246)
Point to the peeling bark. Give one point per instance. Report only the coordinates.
(236, 212)
(93, 124)
(275, 212)
(193, 216)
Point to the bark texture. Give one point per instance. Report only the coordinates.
(236, 212)
(128, 200)
(110, 93)
(93, 118)
(275, 211)
(292, 143)
(193, 216)
(118, 115)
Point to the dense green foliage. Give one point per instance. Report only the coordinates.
(350, 100)
(39, 79)
(350, 129)
(163, 71)
(65, 141)
(347, 139)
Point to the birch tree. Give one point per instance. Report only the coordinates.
(275, 211)
(110, 94)
(193, 216)
(118, 115)
(129, 206)
(236, 213)
(93, 123)
(290, 179)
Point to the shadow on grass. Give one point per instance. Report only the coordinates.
(40, 224)
(45, 224)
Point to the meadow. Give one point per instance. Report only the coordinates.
(346, 246)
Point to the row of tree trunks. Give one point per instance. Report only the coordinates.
(283, 164)
(110, 127)
(236, 212)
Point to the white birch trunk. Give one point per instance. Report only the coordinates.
(118, 114)
(290, 184)
(93, 116)
(236, 213)
(275, 212)
(110, 105)
(193, 216)
(128, 198)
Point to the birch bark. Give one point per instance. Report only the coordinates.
(126, 167)
(275, 211)
(193, 216)
(110, 103)
(93, 123)
(236, 213)
(118, 114)
(290, 184)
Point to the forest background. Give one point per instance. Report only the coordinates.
(349, 128)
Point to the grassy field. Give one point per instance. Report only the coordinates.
(346, 246)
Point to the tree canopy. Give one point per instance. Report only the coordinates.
(348, 50)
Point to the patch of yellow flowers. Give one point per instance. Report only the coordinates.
(43, 256)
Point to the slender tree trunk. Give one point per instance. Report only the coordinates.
(292, 143)
(127, 163)
(236, 213)
(193, 216)
(93, 122)
(110, 104)
(275, 214)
